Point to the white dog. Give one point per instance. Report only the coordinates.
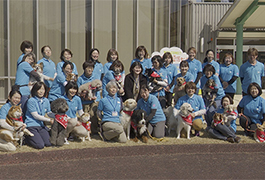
(184, 119)
(128, 106)
(85, 119)
(171, 122)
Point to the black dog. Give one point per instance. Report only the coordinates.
(153, 77)
(138, 126)
(209, 93)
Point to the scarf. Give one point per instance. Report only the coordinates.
(62, 119)
(187, 119)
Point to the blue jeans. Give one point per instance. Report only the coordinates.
(40, 139)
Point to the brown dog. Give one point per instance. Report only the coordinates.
(217, 119)
(179, 89)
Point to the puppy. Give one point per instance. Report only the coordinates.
(14, 118)
(209, 92)
(229, 114)
(139, 129)
(217, 119)
(85, 119)
(259, 134)
(88, 90)
(179, 89)
(128, 106)
(71, 77)
(156, 83)
(39, 69)
(184, 119)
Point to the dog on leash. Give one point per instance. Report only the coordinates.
(139, 129)
(14, 118)
(179, 89)
(171, 122)
(128, 106)
(39, 69)
(184, 119)
(259, 134)
(88, 90)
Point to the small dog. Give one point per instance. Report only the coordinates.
(88, 90)
(14, 118)
(85, 119)
(71, 77)
(171, 122)
(128, 106)
(184, 119)
(139, 129)
(153, 79)
(229, 114)
(259, 134)
(119, 79)
(58, 128)
(179, 89)
(217, 119)
(209, 92)
(39, 69)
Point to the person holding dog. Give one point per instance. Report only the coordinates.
(37, 107)
(156, 118)
(251, 109)
(196, 103)
(134, 79)
(91, 105)
(109, 109)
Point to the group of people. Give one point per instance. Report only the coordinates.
(104, 109)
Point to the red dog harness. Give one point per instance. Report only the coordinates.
(155, 75)
(62, 119)
(188, 119)
(232, 113)
(260, 135)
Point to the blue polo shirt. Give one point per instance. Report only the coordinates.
(74, 105)
(152, 103)
(106, 67)
(195, 101)
(188, 77)
(251, 73)
(110, 106)
(254, 108)
(195, 66)
(98, 70)
(83, 80)
(218, 85)
(233, 122)
(163, 74)
(107, 78)
(22, 77)
(20, 59)
(172, 71)
(48, 70)
(4, 110)
(146, 63)
(41, 106)
(59, 68)
(226, 73)
(214, 64)
(57, 89)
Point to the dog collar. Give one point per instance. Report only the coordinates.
(118, 77)
(232, 113)
(128, 112)
(216, 122)
(17, 119)
(91, 88)
(184, 83)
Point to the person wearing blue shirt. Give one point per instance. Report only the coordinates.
(25, 47)
(195, 67)
(141, 56)
(251, 71)
(98, 67)
(111, 57)
(225, 131)
(157, 62)
(228, 75)
(14, 98)
(66, 55)
(251, 109)
(109, 112)
(156, 118)
(24, 71)
(209, 73)
(196, 103)
(74, 102)
(90, 105)
(171, 73)
(114, 73)
(58, 85)
(48, 65)
(209, 59)
(37, 107)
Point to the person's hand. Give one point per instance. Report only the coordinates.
(192, 115)
(225, 85)
(167, 89)
(51, 121)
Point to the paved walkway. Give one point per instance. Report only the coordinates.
(215, 161)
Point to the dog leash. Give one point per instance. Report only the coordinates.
(156, 139)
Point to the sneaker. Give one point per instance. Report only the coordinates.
(66, 141)
(237, 139)
(197, 133)
(230, 139)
